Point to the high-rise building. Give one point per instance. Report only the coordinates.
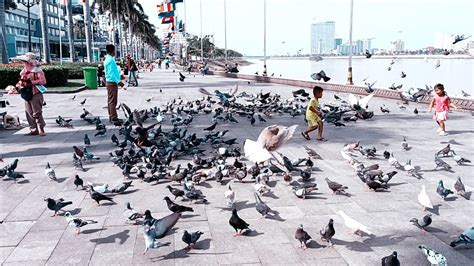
(337, 42)
(322, 37)
(397, 46)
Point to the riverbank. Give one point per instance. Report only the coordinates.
(437, 56)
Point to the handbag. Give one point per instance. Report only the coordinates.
(27, 93)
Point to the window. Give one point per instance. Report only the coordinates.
(17, 18)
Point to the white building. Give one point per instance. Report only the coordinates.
(322, 37)
(397, 46)
(470, 47)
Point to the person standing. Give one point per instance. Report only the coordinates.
(112, 81)
(132, 71)
(30, 88)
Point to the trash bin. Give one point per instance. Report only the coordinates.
(90, 77)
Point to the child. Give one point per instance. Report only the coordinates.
(313, 116)
(443, 102)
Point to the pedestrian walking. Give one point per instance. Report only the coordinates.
(112, 79)
(31, 88)
(443, 104)
(132, 71)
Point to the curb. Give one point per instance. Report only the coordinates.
(465, 104)
(79, 89)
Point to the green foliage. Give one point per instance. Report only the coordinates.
(55, 75)
(210, 50)
(10, 4)
(75, 69)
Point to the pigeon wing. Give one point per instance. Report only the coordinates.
(163, 225)
(364, 102)
(255, 152)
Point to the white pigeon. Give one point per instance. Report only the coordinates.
(434, 257)
(360, 103)
(229, 196)
(424, 200)
(255, 152)
(49, 172)
(101, 188)
(159, 118)
(357, 227)
(394, 162)
(270, 139)
(408, 167)
(346, 155)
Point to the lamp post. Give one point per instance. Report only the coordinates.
(28, 4)
(225, 30)
(349, 74)
(265, 33)
(200, 16)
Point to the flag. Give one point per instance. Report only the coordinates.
(167, 20)
(176, 1)
(165, 10)
(181, 26)
(166, 14)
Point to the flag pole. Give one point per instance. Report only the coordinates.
(60, 35)
(265, 32)
(225, 29)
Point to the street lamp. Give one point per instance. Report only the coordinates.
(28, 4)
(349, 74)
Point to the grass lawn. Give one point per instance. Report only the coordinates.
(72, 84)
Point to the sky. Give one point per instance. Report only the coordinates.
(289, 21)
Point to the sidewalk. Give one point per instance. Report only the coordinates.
(29, 236)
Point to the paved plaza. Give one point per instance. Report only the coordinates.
(29, 236)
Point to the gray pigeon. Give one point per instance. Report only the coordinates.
(433, 256)
(442, 164)
(261, 206)
(459, 187)
(49, 172)
(191, 239)
(56, 205)
(157, 228)
(76, 222)
(328, 232)
(336, 187)
(302, 236)
(442, 191)
(425, 222)
(391, 260)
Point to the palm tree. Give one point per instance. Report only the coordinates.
(70, 28)
(44, 29)
(87, 25)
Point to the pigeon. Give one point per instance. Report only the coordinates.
(440, 163)
(391, 260)
(191, 239)
(403, 75)
(425, 222)
(121, 187)
(320, 75)
(460, 160)
(252, 120)
(76, 222)
(78, 152)
(386, 155)
(270, 139)
(424, 200)
(302, 236)
(384, 109)
(367, 54)
(354, 225)
(83, 101)
(446, 151)
(261, 206)
(176, 207)
(442, 191)
(328, 232)
(49, 172)
(56, 205)
(76, 161)
(335, 187)
(261, 119)
(98, 197)
(405, 145)
(149, 99)
(466, 238)
(211, 128)
(465, 94)
(374, 185)
(73, 97)
(176, 192)
(312, 153)
(237, 223)
(438, 64)
(87, 141)
(229, 196)
(89, 156)
(131, 214)
(433, 257)
(459, 38)
(459, 187)
(157, 228)
(181, 77)
(78, 182)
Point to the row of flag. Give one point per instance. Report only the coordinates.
(166, 12)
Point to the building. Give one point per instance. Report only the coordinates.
(397, 46)
(337, 42)
(470, 47)
(322, 37)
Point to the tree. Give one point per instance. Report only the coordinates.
(70, 33)
(44, 30)
(87, 25)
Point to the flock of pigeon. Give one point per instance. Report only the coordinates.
(147, 153)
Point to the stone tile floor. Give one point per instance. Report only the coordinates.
(29, 236)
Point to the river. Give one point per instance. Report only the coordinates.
(456, 74)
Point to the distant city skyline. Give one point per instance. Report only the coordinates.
(289, 22)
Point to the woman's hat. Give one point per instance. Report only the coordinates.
(28, 57)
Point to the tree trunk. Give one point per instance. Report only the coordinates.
(119, 31)
(44, 30)
(70, 33)
(3, 41)
(87, 25)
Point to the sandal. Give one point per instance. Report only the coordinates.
(305, 135)
(321, 139)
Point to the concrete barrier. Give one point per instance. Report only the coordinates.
(465, 104)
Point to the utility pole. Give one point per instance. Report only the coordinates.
(349, 74)
(225, 29)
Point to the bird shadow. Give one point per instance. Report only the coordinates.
(240, 205)
(205, 184)
(251, 233)
(435, 209)
(272, 183)
(451, 141)
(204, 244)
(457, 132)
(452, 198)
(108, 203)
(60, 180)
(367, 244)
(314, 197)
(76, 211)
(189, 216)
(274, 215)
(129, 191)
(313, 245)
(91, 231)
(24, 181)
(397, 184)
(270, 194)
(467, 195)
(122, 236)
(430, 229)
